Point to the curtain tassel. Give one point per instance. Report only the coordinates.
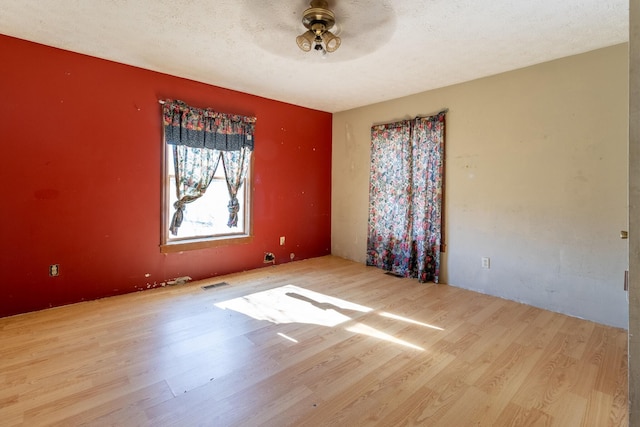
(234, 208)
(176, 221)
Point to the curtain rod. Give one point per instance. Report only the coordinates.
(444, 110)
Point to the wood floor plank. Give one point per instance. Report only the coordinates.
(130, 408)
(517, 416)
(319, 342)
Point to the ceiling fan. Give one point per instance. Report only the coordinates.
(318, 20)
(353, 20)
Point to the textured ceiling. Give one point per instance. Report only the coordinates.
(390, 48)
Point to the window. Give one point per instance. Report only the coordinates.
(210, 155)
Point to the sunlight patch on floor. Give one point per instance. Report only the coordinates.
(363, 329)
(405, 319)
(287, 337)
(293, 304)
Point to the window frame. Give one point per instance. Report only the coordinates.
(193, 243)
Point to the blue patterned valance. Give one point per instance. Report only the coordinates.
(205, 128)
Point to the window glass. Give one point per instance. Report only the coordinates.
(206, 217)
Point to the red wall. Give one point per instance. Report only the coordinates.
(81, 169)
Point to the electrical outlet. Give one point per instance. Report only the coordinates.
(486, 263)
(281, 240)
(54, 270)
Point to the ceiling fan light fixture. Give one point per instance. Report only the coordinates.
(318, 20)
(305, 40)
(331, 42)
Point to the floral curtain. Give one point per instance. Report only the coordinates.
(200, 138)
(405, 197)
(236, 164)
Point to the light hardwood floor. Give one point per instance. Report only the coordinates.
(318, 342)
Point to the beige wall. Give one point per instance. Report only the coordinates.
(536, 179)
